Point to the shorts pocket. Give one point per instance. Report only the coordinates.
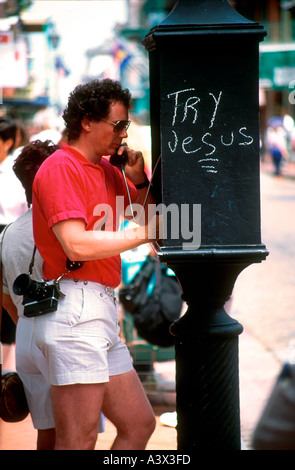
(74, 306)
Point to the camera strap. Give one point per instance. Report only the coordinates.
(147, 193)
(70, 266)
(32, 261)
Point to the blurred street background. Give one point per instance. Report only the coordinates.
(47, 47)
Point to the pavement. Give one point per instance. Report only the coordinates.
(22, 435)
(258, 369)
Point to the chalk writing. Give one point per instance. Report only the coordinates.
(229, 143)
(216, 106)
(176, 93)
(189, 104)
(207, 143)
(174, 147)
(186, 110)
(247, 136)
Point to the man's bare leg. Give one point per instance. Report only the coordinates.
(125, 404)
(46, 439)
(76, 411)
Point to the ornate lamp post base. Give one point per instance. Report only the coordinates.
(207, 372)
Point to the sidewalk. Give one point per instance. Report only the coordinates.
(258, 370)
(22, 436)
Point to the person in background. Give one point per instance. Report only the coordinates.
(17, 245)
(12, 195)
(12, 204)
(21, 139)
(276, 145)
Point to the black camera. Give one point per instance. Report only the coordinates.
(40, 297)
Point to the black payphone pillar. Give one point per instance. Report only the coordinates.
(205, 124)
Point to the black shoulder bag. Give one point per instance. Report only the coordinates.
(153, 314)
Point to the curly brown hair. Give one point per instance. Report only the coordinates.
(92, 100)
(28, 162)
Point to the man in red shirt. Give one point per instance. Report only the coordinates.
(90, 367)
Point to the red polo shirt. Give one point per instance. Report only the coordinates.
(68, 186)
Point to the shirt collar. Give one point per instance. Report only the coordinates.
(78, 155)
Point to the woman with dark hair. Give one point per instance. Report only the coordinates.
(12, 204)
(12, 196)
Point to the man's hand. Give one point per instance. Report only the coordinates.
(134, 168)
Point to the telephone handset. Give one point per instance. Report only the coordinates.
(119, 160)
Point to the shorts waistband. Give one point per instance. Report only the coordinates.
(93, 285)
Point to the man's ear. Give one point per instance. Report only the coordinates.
(86, 124)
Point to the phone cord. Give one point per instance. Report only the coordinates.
(148, 190)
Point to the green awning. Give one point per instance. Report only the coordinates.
(277, 65)
(287, 4)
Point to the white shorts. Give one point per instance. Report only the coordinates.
(33, 371)
(81, 341)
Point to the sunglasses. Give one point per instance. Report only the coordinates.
(119, 126)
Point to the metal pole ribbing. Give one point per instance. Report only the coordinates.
(207, 390)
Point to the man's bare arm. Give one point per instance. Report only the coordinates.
(82, 245)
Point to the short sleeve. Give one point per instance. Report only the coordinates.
(59, 190)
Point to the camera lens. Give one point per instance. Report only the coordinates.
(22, 285)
